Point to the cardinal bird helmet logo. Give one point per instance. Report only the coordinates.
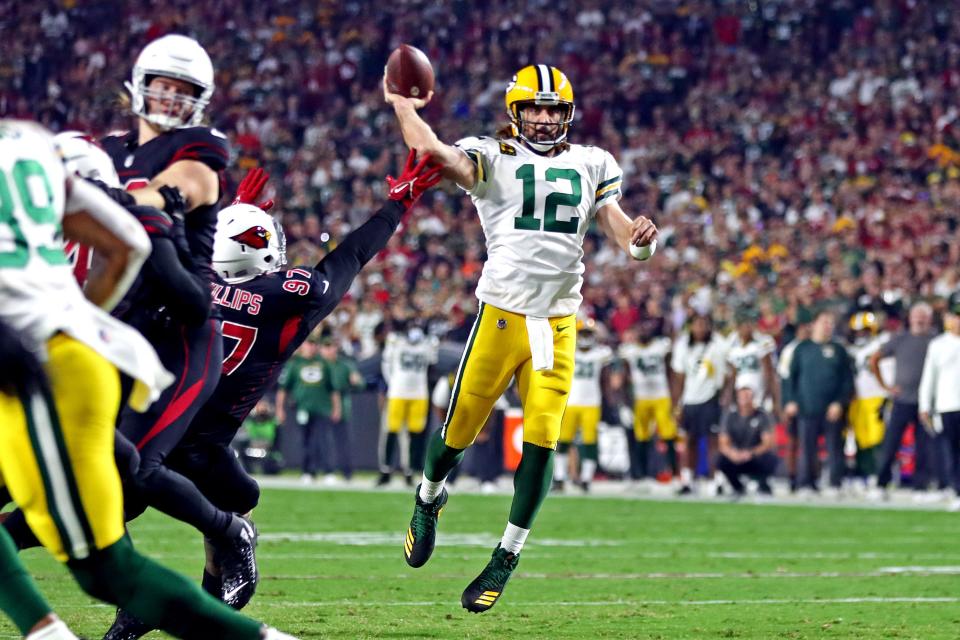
(256, 237)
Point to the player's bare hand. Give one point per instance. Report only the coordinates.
(397, 100)
(834, 411)
(791, 410)
(643, 231)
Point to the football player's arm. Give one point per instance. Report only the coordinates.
(197, 182)
(93, 219)
(418, 135)
(617, 226)
(186, 295)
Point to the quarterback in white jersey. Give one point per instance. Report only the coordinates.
(536, 195)
(583, 406)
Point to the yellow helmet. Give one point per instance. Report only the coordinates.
(540, 84)
(864, 321)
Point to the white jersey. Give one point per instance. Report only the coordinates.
(866, 384)
(703, 367)
(747, 362)
(38, 293)
(585, 390)
(535, 211)
(648, 368)
(405, 364)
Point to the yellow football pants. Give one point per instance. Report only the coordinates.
(499, 349)
(656, 410)
(56, 454)
(866, 418)
(576, 418)
(410, 413)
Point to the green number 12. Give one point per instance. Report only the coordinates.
(528, 220)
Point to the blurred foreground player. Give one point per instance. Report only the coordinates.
(57, 459)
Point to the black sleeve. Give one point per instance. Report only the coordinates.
(335, 273)
(185, 294)
(203, 144)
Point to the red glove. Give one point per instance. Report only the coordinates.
(416, 178)
(250, 188)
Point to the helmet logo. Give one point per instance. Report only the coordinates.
(256, 237)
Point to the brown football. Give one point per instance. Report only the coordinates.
(409, 72)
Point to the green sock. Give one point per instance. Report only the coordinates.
(161, 598)
(389, 450)
(441, 459)
(19, 597)
(867, 461)
(672, 456)
(531, 484)
(588, 452)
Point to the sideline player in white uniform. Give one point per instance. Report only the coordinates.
(750, 360)
(536, 195)
(406, 358)
(866, 409)
(583, 406)
(648, 361)
(56, 444)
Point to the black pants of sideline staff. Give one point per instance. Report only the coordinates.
(809, 430)
(759, 467)
(929, 462)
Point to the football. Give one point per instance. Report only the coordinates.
(409, 72)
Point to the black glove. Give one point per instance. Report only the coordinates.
(121, 196)
(178, 233)
(173, 200)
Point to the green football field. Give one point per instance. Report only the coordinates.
(332, 567)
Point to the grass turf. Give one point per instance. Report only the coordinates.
(594, 567)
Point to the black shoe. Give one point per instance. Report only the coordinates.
(557, 486)
(486, 589)
(685, 490)
(764, 488)
(422, 532)
(408, 479)
(384, 479)
(127, 627)
(237, 560)
(584, 486)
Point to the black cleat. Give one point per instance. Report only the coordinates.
(481, 594)
(422, 532)
(127, 627)
(384, 479)
(558, 486)
(237, 560)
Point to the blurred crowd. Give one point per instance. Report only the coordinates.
(797, 155)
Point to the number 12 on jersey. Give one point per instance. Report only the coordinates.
(528, 220)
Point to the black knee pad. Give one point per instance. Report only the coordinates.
(109, 574)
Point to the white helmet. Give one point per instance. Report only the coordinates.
(249, 242)
(85, 158)
(177, 57)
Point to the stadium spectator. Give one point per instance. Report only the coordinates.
(908, 349)
(746, 444)
(335, 431)
(818, 390)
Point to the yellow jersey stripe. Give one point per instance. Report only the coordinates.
(610, 187)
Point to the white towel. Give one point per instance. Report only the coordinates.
(123, 346)
(540, 334)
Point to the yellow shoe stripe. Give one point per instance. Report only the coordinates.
(410, 536)
(487, 598)
(408, 548)
(486, 603)
(491, 593)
